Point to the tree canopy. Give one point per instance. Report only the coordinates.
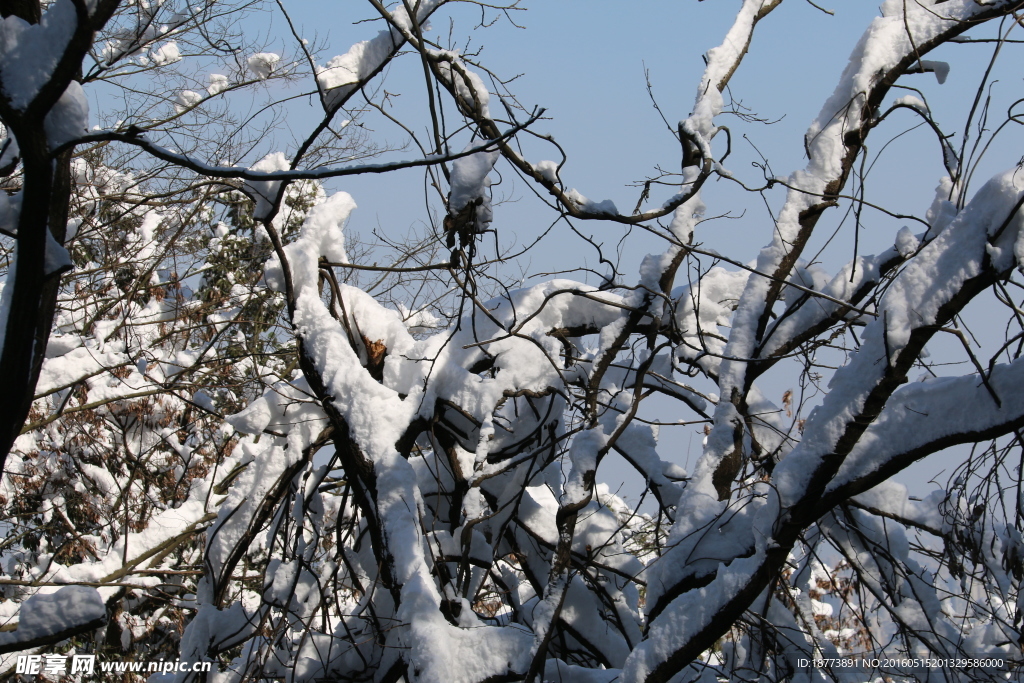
(236, 431)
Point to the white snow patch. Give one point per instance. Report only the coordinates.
(263, 64)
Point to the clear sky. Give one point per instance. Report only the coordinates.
(585, 62)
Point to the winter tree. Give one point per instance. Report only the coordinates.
(237, 432)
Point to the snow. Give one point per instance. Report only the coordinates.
(263, 64)
(420, 321)
(687, 615)
(912, 102)
(352, 67)
(166, 54)
(548, 170)
(469, 178)
(940, 69)
(213, 629)
(537, 512)
(436, 650)
(357, 396)
(921, 413)
(134, 549)
(254, 419)
(218, 84)
(705, 308)
(264, 192)
(376, 417)
(29, 53)
(557, 670)
(471, 90)
(440, 652)
(638, 444)
(807, 276)
(888, 40)
(343, 73)
(906, 242)
(64, 369)
(10, 209)
(606, 206)
(69, 117)
(49, 613)
(186, 99)
(267, 459)
(201, 398)
(890, 498)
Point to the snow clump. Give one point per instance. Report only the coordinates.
(262, 64)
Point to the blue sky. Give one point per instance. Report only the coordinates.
(584, 62)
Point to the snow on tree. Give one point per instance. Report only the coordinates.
(232, 435)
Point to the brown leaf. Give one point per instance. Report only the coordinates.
(376, 352)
